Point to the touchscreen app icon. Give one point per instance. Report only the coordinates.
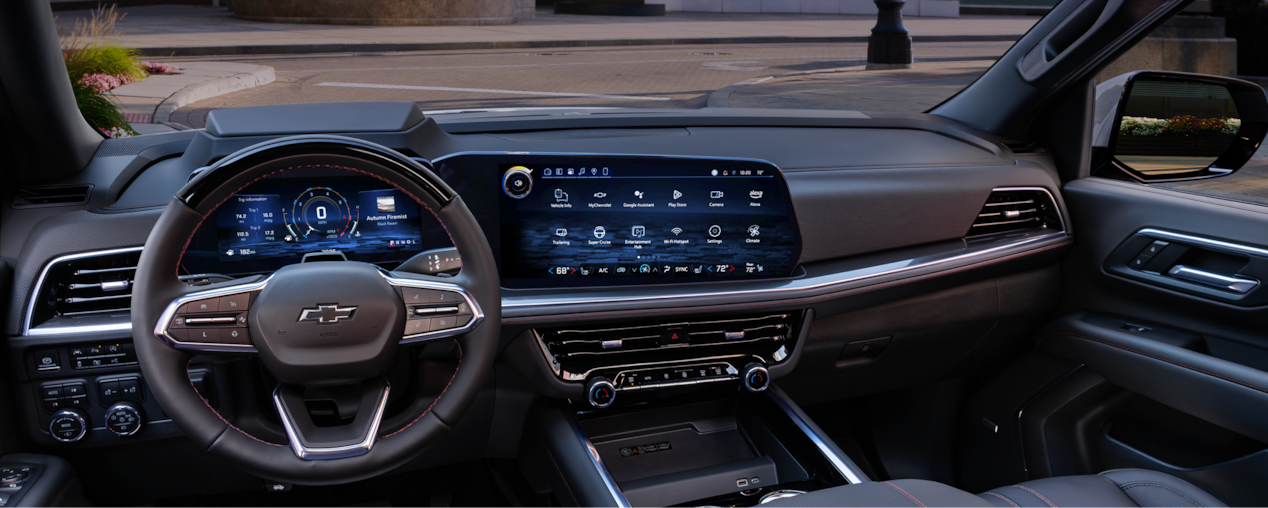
(676, 231)
(638, 194)
(599, 232)
(561, 196)
(638, 231)
(677, 194)
(715, 230)
(561, 232)
(717, 194)
(755, 194)
(754, 230)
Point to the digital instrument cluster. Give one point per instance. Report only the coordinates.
(277, 220)
(621, 220)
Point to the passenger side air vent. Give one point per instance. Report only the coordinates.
(94, 285)
(1009, 210)
(68, 195)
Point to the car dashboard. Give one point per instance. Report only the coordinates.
(652, 250)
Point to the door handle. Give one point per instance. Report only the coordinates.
(1226, 282)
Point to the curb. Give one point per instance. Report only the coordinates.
(296, 49)
(721, 97)
(260, 75)
(1005, 10)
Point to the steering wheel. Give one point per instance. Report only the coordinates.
(316, 324)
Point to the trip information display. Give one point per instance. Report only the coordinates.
(281, 218)
(582, 221)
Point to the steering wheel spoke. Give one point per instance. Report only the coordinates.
(310, 441)
(211, 320)
(434, 308)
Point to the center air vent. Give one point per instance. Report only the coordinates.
(1009, 210)
(32, 197)
(576, 353)
(86, 286)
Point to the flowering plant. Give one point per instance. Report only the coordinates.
(160, 68)
(1178, 125)
(96, 65)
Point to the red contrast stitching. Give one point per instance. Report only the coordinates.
(213, 410)
(1178, 364)
(1032, 491)
(433, 403)
(787, 302)
(355, 170)
(900, 489)
(1006, 500)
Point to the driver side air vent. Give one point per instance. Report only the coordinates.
(91, 286)
(1009, 210)
(67, 195)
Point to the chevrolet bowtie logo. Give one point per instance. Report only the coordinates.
(327, 314)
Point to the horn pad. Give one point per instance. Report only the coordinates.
(327, 323)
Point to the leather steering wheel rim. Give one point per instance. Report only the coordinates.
(157, 285)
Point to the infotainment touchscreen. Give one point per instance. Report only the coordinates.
(607, 220)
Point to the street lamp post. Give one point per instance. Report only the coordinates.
(889, 46)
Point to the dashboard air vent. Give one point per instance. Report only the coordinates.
(1009, 210)
(31, 197)
(1025, 148)
(86, 286)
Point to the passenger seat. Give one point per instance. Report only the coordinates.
(1119, 487)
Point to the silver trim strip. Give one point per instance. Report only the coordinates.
(65, 330)
(1205, 242)
(790, 409)
(816, 284)
(334, 452)
(1234, 284)
(617, 496)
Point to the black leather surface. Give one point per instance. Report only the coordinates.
(920, 493)
(1120, 487)
(1219, 391)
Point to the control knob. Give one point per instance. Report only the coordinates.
(600, 392)
(755, 377)
(68, 425)
(124, 419)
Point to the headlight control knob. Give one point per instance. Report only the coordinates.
(124, 419)
(600, 392)
(68, 425)
(755, 377)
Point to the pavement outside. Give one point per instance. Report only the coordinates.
(186, 30)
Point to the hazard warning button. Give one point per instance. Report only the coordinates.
(674, 335)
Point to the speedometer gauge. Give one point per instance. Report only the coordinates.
(321, 212)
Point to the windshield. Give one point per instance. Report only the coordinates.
(195, 59)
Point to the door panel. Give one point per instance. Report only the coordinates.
(1172, 367)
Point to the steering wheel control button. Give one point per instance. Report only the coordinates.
(414, 326)
(235, 335)
(204, 306)
(204, 335)
(415, 296)
(600, 392)
(68, 425)
(517, 182)
(124, 419)
(234, 303)
(755, 377)
(445, 297)
(443, 323)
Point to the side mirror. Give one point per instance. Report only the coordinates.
(1156, 126)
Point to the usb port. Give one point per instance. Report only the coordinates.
(742, 482)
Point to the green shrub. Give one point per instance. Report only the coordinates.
(95, 63)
